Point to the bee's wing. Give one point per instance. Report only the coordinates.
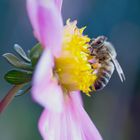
(118, 68)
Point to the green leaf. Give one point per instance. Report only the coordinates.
(21, 52)
(16, 62)
(35, 53)
(17, 77)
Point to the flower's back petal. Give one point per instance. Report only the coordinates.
(76, 96)
(71, 124)
(45, 89)
(47, 23)
(59, 4)
(88, 128)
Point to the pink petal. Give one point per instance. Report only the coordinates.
(47, 23)
(71, 124)
(43, 71)
(88, 128)
(59, 4)
(76, 96)
(45, 89)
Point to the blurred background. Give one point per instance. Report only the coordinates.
(114, 110)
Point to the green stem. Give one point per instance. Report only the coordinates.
(9, 97)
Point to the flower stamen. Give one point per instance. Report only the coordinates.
(73, 67)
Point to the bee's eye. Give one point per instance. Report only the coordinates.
(99, 42)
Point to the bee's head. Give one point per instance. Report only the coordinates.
(98, 42)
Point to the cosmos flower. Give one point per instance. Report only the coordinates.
(62, 71)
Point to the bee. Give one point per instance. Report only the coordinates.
(104, 61)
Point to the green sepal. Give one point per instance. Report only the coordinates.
(18, 77)
(21, 52)
(16, 62)
(35, 54)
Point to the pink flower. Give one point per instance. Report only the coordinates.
(62, 71)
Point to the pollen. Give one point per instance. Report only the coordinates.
(72, 67)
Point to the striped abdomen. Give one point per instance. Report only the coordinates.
(104, 74)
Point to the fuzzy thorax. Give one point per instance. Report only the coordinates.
(72, 67)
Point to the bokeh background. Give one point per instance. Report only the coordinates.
(114, 110)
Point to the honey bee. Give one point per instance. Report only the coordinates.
(104, 61)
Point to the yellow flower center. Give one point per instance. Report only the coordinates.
(72, 67)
